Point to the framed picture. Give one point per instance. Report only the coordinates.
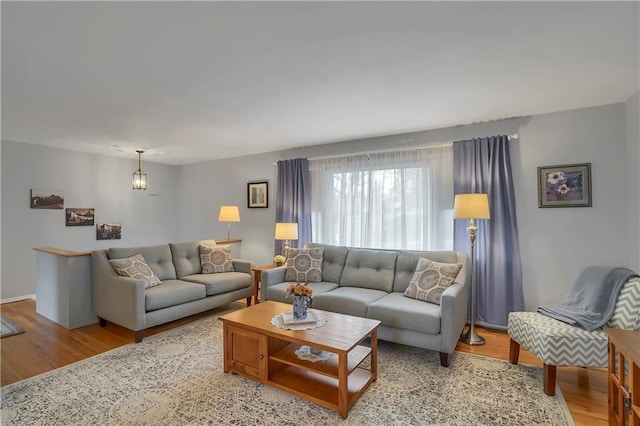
(567, 185)
(257, 195)
(109, 231)
(47, 199)
(79, 217)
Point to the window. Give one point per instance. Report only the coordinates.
(400, 200)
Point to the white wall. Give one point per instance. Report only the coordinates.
(88, 180)
(633, 163)
(207, 186)
(556, 243)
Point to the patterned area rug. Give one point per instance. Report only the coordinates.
(8, 328)
(176, 378)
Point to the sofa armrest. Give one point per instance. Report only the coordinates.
(453, 315)
(118, 299)
(272, 276)
(242, 265)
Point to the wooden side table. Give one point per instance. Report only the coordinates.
(257, 275)
(624, 377)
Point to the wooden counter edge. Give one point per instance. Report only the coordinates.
(62, 252)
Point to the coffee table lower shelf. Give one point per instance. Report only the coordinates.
(320, 389)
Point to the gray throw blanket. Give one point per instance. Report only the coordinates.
(592, 298)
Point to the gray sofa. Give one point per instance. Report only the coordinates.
(184, 290)
(370, 283)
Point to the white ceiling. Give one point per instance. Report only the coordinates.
(197, 81)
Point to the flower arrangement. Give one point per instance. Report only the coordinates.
(299, 289)
(279, 260)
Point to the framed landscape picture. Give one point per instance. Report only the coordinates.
(567, 185)
(258, 195)
(109, 231)
(47, 199)
(79, 217)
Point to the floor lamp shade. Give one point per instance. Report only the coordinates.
(229, 214)
(472, 207)
(286, 231)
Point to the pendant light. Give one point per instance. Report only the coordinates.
(139, 178)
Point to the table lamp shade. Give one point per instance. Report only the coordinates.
(229, 214)
(471, 206)
(286, 231)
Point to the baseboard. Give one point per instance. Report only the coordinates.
(18, 298)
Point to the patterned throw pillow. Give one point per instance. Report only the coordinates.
(135, 267)
(431, 279)
(215, 259)
(304, 265)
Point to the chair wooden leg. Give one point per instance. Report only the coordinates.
(102, 322)
(249, 301)
(138, 337)
(514, 351)
(549, 379)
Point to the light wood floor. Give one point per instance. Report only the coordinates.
(46, 346)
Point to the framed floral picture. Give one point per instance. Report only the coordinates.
(567, 185)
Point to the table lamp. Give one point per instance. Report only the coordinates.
(286, 231)
(229, 214)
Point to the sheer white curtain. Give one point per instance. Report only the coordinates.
(401, 199)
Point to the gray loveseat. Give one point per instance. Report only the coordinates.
(370, 283)
(184, 290)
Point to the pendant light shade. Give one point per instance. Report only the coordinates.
(139, 178)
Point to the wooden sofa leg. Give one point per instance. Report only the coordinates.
(102, 322)
(444, 359)
(248, 301)
(138, 337)
(514, 351)
(549, 379)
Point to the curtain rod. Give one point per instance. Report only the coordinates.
(511, 137)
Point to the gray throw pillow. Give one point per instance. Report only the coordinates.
(135, 267)
(304, 265)
(216, 259)
(431, 279)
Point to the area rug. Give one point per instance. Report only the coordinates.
(8, 328)
(177, 378)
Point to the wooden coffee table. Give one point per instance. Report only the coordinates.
(256, 349)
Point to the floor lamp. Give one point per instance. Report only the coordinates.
(472, 207)
(286, 231)
(229, 214)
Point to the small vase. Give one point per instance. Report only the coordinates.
(300, 305)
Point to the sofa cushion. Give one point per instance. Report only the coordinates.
(397, 311)
(135, 267)
(171, 293)
(333, 259)
(278, 292)
(431, 279)
(347, 300)
(186, 256)
(304, 265)
(216, 259)
(221, 282)
(368, 268)
(407, 261)
(158, 258)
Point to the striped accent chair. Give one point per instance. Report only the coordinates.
(557, 343)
